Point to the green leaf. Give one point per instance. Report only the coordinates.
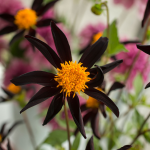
(138, 84)
(76, 142)
(147, 136)
(114, 44)
(56, 138)
(16, 50)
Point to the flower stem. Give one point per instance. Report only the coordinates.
(140, 130)
(29, 130)
(67, 123)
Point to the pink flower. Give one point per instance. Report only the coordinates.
(10, 7)
(87, 33)
(16, 67)
(141, 66)
(127, 3)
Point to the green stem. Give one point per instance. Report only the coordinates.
(29, 129)
(140, 130)
(67, 123)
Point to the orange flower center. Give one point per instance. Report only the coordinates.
(96, 37)
(25, 18)
(13, 88)
(72, 77)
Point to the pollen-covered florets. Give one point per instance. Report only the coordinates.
(25, 18)
(72, 77)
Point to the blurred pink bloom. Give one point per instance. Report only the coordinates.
(88, 32)
(141, 4)
(10, 7)
(16, 67)
(141, 66)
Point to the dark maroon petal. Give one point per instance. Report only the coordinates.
(47, 51)
(130, 42)
(100, 96)
(90, 145)
(86, 118)
(17, 36)
(103, 110)
(8, 146)
(91, 55)
(61, 43)
(54, 107)
(32, 32)
(44, 23)
(38, 77)
(115, 86)
(37, 4)
(84, 49)
(108, 67)
(144, 48)
(126, 147)
(74, 106)
(147, 86)
(98, 78)
(95, 124)
(44, 8)
(3, 128)
(2, 99)
(146, 13)
(83, 107)
(8, 29)
(7, 17)
(8, 93)
(43, 94)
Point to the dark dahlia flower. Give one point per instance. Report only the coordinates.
(4, 133)
(27, 19)
(92, 106)
(146, 13)
(71, 77)
(145, 49)
(90, 145)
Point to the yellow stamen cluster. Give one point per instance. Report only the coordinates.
(13, 88)
(0, 138)
(72, 77)
(92, 102)
(96, 37)
(25, 18)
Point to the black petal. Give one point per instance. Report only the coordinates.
(47, 51)
(85, 48)
(8, 93)
(91, 55)
(100, 96)
(108, 67)
(32, 32)
(98, 78)
(8, 146)
(126, 147)
(147, 86)
(83, 107)
(54, 107)
(103, 110)
(44, 22)
(44, 8)
(90, 145)
(37, 4)
(146, 13)
(7, 17)
(61, 43)
(144, 48)
(95, 124)
(43, 94)
(115, 86)
(86, 118)
(3, 128)
(76, 112)
(38, 77)
(8, 29)
(17, 36)
(130, 42)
